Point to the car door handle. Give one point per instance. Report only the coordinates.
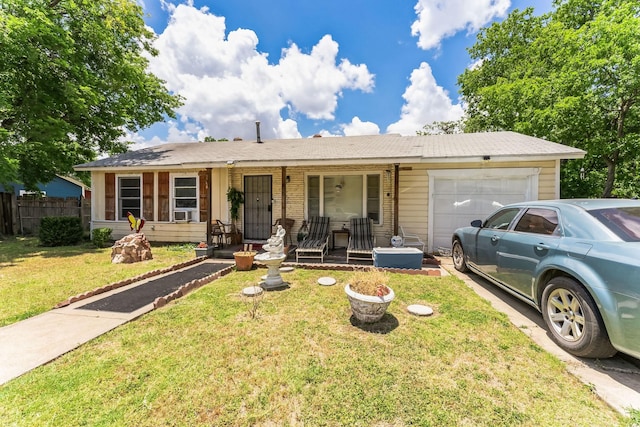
(495, 238)
(542, 247)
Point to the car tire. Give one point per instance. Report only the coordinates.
(573, 319)
(459, 257)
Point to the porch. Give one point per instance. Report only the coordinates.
(335, 256)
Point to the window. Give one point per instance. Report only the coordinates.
(342, 197)
(539, 221)
(129, 196)
(501, 219)
(185, 192)
(624, 221)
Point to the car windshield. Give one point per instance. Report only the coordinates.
(624, 222)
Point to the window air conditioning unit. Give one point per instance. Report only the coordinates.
(182, 216)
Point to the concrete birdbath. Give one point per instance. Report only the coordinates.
(273, 258)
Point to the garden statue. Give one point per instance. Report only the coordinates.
(275, 243)
(273, 259)
(136, 224)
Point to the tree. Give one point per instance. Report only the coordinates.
(73, 78)
(442, 128)
(571, 76)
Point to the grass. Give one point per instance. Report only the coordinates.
(33, 279)
(213, 358)
(294, 357)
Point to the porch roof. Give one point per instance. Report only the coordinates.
(349, 150)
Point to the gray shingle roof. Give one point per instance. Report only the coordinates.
(382, 149)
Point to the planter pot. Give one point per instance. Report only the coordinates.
(204, 251)
(244, 260)
(367, 308)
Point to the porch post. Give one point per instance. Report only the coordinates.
(209, 226)
(396, 188)
(283, 194)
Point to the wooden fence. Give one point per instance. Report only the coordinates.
(30, 210)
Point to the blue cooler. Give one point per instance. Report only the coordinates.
(398, 258)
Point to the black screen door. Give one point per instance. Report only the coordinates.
(257, 207)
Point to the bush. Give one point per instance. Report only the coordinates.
(60, 231)
(102, 237)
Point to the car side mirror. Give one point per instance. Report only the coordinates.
(476, 223)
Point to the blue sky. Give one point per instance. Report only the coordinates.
(301, 67)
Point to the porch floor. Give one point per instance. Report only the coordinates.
(335, 256)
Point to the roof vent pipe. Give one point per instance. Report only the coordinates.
(258, 132)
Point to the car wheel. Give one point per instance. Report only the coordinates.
(573, 319)
(457, 253)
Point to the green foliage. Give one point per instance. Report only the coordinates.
(60, 231)
(73, 77)
(442, 128)
(236, 198)
(101, 237)
(571, 76)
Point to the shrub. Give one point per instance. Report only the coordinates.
(60, 231)
(102, 237)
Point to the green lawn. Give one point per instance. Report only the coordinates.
(33, 279)
(206, 360)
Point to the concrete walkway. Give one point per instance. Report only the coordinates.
(615, 380)
(40, 339)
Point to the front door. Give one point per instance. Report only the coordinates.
(257, 207)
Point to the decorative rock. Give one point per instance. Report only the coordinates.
(131, 248)
(420, 310)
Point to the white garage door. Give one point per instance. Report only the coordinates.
(457, 197)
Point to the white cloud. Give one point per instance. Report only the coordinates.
(313, 83)
(438, 19)
(228, 84)
(425, 102)
(358, 127)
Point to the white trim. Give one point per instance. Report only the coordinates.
(118, 196)
(363, 175)
(557, 179)
(482, 173)
(195, 217)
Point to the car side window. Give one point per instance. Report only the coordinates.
(539, 221)
(501, 219)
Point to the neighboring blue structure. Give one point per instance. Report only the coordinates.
(58, 187)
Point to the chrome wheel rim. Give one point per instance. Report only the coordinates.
(458, 255)
(566, 314)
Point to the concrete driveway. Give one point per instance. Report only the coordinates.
(615, 380)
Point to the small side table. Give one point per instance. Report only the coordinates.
(344, 231)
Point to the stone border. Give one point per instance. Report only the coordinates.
(191, 286)
(126, 282)
(195, 284)
(354, 267)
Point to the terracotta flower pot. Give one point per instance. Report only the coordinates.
(244, 260)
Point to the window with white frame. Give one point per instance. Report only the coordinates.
(342, 197)
(185, 193)
(129, 196)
